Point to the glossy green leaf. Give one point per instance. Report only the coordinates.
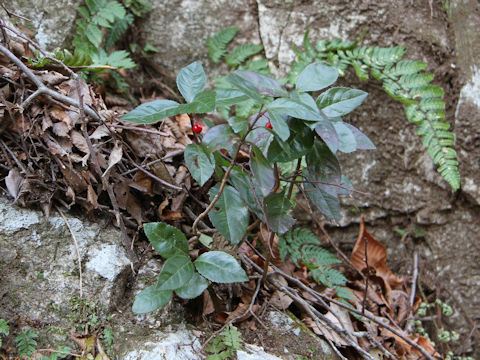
(329, 135)
(362, 140)
(323, 165)
(262, 171)
(220, 137)
(241, 183)
(263, 84)
(193, 288)
(339, 101)
(220, 267)
(150, 299)
(231, 218)
(175, 273)
(279, 124)
(200, 164)
(298, 144)
(152, 112)
(295, 109)
(277, 208)
(324, 198)
(229, 97)
(238, 124)
(316, 76)
(346, 139)
(191, 80)
(202, 103)
(245, 87)
(166, 239)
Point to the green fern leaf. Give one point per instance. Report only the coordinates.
(292, 241)
(404, 67)
(314, 256)
(432, 104)
(26, 343)
(217, 44)
(329, 277)
(415, 80)
(426, 92)
(242, 53)
(307, 45)
(118, 28)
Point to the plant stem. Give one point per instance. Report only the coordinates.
(227, 174)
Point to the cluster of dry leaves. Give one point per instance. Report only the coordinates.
(48, 156)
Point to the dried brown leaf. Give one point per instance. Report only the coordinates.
(60, 129)
(169, 215)
(377, 258)
(264, 236)
(13, 181)
(115, 157)
(52, 77)
(100, 132)
(92, 196)
(61, 115)
(80, 142)
(280, 300)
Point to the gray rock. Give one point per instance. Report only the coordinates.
(39, 272)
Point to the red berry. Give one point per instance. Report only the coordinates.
(197, 128)
(268, 125)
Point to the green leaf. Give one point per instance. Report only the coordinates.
(166, 239)
(152, 112)
(362, 141)
(316, 76)
(94, 34)
(220, 137)
(202, 103)
(279, 124)
(229, 97)
(241, 183)
(329, 135)
(150, 299)
(220, 267)
(276, 208)
(231, 220)
(347, 142)
(193, 288)
(176, 272)
(217, 45)
(295, 109)
(200, 164)
(246, 87)
(324, 198)
(298, 144)
(339, 101)
(323, 165)
(238, 124)
(242, 53)
(191, 80)
(265, 85)
(262, 171)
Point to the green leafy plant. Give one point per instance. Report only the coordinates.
(178, 273)
(108, 337)
(4, 330)
(225, 345)
(305, 249)
(404, 80)
(101, 24)
(290, 127)
(26, 343)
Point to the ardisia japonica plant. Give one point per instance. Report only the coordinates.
(292, 139)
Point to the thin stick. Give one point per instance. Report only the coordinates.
(414, 278)
(79, 258)
(168, 156)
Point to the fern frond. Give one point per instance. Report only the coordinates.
(329, 277)
(242, 53)
(257, 65)
(405, 81)
(314, 256)
(292, 242)
(217, 44)
(117, 30)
